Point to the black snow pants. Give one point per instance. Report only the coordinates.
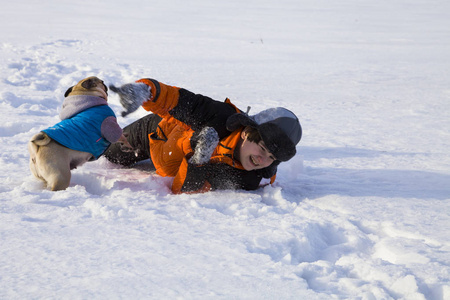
(137, 135)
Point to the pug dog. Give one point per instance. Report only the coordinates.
(88, 126)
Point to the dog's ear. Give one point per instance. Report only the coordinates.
(68, 91)
(89, 84)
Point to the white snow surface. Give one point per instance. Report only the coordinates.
(361, 212)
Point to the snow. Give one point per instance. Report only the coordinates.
(361, 212)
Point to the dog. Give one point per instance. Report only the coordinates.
(88, 126)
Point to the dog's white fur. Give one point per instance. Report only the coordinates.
(52, 162)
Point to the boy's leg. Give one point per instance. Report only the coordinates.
(137, 132)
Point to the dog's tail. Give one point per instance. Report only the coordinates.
(40, 139)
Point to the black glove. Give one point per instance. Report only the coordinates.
(132, 95)
(207, 141)
(271, 170)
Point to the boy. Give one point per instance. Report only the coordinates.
(205, 144)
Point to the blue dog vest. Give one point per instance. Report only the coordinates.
(82, 132)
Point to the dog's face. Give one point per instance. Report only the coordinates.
(92, 86)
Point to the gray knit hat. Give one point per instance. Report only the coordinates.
(279, 128)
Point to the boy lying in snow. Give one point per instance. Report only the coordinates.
(205, 144)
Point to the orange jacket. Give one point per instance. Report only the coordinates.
(172, 144)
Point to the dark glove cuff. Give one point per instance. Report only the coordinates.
(196, 177)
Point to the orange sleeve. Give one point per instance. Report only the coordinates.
(164, 98)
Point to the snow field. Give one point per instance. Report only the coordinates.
(361, 212)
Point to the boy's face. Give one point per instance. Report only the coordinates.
(253, 155)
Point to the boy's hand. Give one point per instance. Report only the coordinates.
(132, 95)
(207, 141)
